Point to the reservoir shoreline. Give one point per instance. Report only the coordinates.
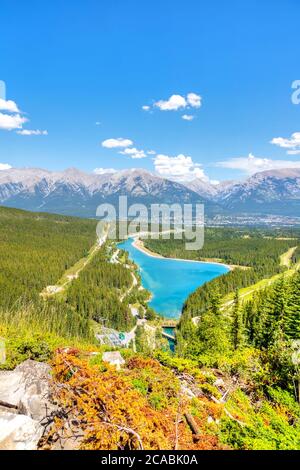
(139, 245)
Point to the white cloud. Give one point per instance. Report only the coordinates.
(292, 144)
(180, 168)
(178, 102)
(104, 171)
(151, 152)
(194, 100)
(127, 149)
(12, 118)
(188, 117)
(5, 166)
(134, 153)
(10, 122)
(9, 106)
(32, 132)
(252, 164)
(117, 143)
(174, 103)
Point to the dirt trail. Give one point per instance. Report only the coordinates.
(55, 289)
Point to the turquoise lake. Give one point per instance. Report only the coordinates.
(171, 281)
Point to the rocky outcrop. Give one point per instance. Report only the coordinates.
(24, 403)
(19, 432)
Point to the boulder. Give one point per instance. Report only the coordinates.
(11, 390)
(27, 388)
(24, 403)
(19, 432)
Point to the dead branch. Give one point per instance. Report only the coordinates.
(128, 430)
(5, 404)
(227, 412)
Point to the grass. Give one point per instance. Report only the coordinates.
(247, 292)
(77, 267)
(286, 258)
(32, 341)
(72, 272)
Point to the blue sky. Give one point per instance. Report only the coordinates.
(69, 65)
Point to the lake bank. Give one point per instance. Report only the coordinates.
(139, 245)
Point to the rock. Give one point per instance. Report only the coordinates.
(114, 358)
(11, 390)
(25, 398)
(34, 387)
(186, 391)
(19, 432)
(219, 383)
(26, 401)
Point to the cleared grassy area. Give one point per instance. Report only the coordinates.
(247, 292)
(73, 272)
(70, 274)
(286, 258)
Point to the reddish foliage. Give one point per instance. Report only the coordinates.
(107, 412)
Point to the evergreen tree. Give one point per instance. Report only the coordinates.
(292, 317)
(249, 321)
(212, 332)
(277, 312)
(237, 331)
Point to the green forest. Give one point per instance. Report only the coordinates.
(36, 249)
(35, 252)
(96, 293)
(255, 255)
(258, 343)
(235, 370)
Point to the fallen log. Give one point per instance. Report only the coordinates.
(193, 426)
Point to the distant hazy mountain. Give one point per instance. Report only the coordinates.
(74, 192)
(208, 190)
(268, 192)
(203, 188)
(274, 192)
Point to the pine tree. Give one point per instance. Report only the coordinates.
(292, 317)
(249, 315)
(237, 331)
(212, 331)
(272, 312)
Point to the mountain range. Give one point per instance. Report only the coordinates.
(74, 192)
(274, 192)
